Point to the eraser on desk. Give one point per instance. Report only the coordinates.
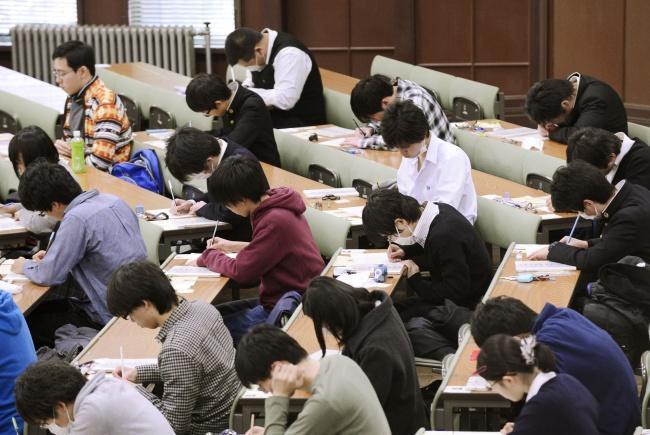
(10, 288)
(525, 277)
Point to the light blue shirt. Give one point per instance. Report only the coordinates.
(98, 233)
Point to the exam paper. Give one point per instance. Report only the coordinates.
(319, 193)
(192, 271)
(183, 284)
(110, 364)
(541, 266)
(334, 142)
(335, 132)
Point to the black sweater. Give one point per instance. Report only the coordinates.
(635, 166)
(597, 105)
(457, 260)
(381, 347)
(248, 123)
(563, 406)
(625, 232)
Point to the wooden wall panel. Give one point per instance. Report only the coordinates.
(258, 14)
(443, 31)
(588, 36)
(637, 53)
(319, 24)
(502, 31)
(511, 80)
(373, 23)
(102, 12)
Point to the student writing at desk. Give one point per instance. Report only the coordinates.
(373, 95)
(196, 360)
(194, 154)
(624, 211)
(283, 72)
(93, 109)
(246, 119)
(97, 234)
(562, 106)
(581, 349)
(342, 399)
(56, 395)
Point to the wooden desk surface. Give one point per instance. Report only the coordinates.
(535, 295)
(551, 148)
(150, 74)
(139, 342)
(337, 81)
(30, 295)
(130, 193)
(302, 327)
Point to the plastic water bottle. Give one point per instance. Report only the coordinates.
(77, 150)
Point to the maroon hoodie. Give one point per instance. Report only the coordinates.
(282, 254)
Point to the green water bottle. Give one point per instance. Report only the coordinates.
(77, 148)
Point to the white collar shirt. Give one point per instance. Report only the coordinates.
(626, 145)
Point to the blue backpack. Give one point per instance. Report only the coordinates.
(142, 170)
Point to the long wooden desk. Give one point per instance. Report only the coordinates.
(535, 295)
(139, 342)
(30, 295)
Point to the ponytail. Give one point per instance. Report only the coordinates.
(502, 354)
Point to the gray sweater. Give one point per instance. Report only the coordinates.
(342, 402)
(98, 233)
(109, 406)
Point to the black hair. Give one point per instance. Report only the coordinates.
(260, 348)
(43, 385)
(502, 355)
(240, 44)
(501, 315)
(367, 94)
(593, 145)
(77, 54)
(236, 179)
(44, 183)
(383, 207)
(204, 90)
(403, 125)
(544, 99)
(29, 144)
(188, 149)
(337, 306)
(576, 182)
(133, 283)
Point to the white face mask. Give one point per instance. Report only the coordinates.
(256, 67)
(404, 241)
(587, 217)
(200, 176)
(60, 430)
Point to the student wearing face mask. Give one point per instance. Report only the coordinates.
(555, 403)
(28, 145)
(449, 251)
(431, 169)
(371, 333)
(624, 211)
(245, 117)
(193, 154)
(283, 72)
(57, 397)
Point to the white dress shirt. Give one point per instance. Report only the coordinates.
(626, 144)
(291, 68)
(445, 176)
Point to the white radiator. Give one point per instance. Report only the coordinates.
(171, 48)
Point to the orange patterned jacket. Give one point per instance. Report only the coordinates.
(107, 131)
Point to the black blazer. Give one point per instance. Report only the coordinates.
(625, 232)
(381, 347)
(597, 105)
(248, 123)
(635, 166)
(215, 211)
(458, 263)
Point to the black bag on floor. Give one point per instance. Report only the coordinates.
(620, 304)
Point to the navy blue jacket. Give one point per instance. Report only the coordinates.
(588, 353)
(563, 406)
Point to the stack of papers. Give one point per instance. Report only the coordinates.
(188, 221)
(9, 223)
(192, 271)
(110, 364)
(319, 193)
(183, 284)
(352, 214)
(541, 266)
(360, 261)
(361, 279)
(163, 134)
(334, 131)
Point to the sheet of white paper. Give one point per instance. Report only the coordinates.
(160, 144)
(541, 266)
(170, 214)
(334, 131)
(190, 222)
(334, 142)
(109, 364)
(361, 280)
(192, 271)
(191, 256)
(14, 277)
(183, 284)
(512, 132)
(527, 249)
(477, 383)
(163, 135)
(10, 288)
(319, 193)
(9, 223)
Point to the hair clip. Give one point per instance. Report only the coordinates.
(527, 347)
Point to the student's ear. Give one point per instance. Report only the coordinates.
(566, 105)
(587, 203)
(385, 102)
(402, 222)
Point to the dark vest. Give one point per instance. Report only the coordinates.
(310, 108)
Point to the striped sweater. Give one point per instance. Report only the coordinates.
(107, 131)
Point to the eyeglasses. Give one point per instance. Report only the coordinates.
(59, 74)
(156, 217)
